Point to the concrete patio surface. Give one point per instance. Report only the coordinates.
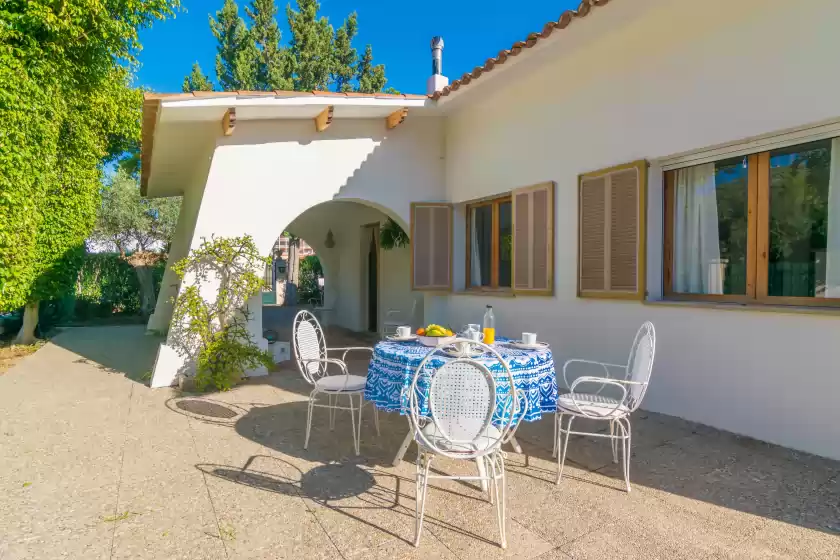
(94, 464)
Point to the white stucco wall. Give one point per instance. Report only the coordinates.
(270, 171)
(344, 267)
(646, 79)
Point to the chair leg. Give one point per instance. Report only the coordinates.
(353, 424)
(482, 472)
(332, 413)
(359, 424)
(557, 417)
(627, 454)
(488, 468)
(501, 498)
(561, 461)
(613, 441)
(375, 418)
(422, 491)
(309, 420)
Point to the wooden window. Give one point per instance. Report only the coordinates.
(533, 240)
(510, 242)
(762, 228)
(489, 244)
(611, 234)
(431, 246)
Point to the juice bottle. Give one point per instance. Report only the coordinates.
(489, 327)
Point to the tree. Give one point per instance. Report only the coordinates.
(311, 47)
(140, 229)
(371, 78)
(197, 80)
(344, 63)
(273, 60)
(66, 70)
(316, 58)
(236, 53)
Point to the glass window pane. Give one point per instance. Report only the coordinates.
(710, 228)
(804, 219)
(505, 244)
(481, 239)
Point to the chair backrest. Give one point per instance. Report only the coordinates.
(640, 365)
(472, 414)
(308, 338)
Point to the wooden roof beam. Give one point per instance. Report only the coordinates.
(324, 118)
(396, 118)
(229, 121)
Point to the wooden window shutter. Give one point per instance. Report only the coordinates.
(533, 240)
(431, 246)
(611, 235)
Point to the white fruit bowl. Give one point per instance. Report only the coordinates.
(435, 341)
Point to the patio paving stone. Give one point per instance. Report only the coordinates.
(97, 465)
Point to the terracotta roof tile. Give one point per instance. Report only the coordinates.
(530, 41)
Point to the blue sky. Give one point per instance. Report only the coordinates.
(399, 32)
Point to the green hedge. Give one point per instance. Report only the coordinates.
(106, 287)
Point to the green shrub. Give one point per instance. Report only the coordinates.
(106, 286)
(215, 333)
(310, 271)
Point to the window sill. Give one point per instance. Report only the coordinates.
(756, 307)
(487, 292)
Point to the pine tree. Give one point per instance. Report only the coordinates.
(237, 54)
(371, 78)
(345, 54)
(272, 65)
(310, 47)
(197, 80)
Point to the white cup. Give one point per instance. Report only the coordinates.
(463, 347)
(529, 338)
(403, 332)
(473, 332)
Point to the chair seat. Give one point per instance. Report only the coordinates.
(488, 438)
(336, 383)
(595, 405)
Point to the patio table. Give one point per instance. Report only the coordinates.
(392, 367)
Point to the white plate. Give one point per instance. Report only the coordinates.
(395, 338)
(522, 346)
(453, 352)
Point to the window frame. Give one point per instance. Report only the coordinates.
(495, 249)
(758, 238)
(640, 294)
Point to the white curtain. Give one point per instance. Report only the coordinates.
(832, 253)
(475, 254)
(697, 265)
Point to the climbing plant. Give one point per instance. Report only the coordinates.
(67, 108)
(391, 235)
(214, 332)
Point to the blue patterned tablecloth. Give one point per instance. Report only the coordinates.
(392, 368)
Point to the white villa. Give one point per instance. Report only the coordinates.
(676, 161)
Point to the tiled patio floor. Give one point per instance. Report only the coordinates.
(95, 465)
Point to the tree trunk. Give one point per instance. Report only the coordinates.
(26, 334)
(145, 278)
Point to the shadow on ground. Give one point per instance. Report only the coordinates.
(113, 349)
(679, 461)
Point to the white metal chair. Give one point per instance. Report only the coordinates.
(594, 406)
(460, 412)
(396, 318)
(311, 354)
